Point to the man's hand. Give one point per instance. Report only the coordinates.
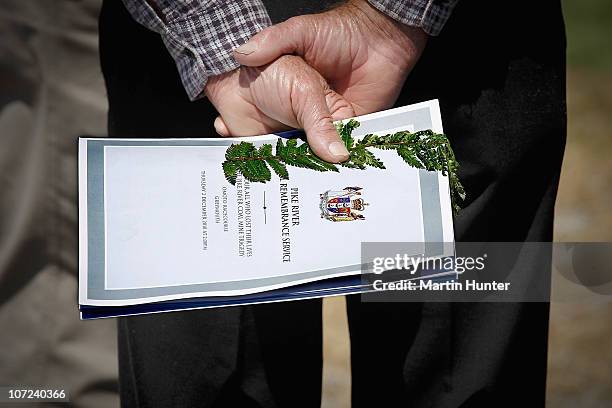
(285, 93)
(364, 55)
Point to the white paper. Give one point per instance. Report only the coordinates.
(170, 219)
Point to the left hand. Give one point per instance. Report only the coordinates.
(363, 54)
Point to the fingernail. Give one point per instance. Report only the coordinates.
(247, 48)
(338, 149)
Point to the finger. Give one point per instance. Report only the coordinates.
(288, 37)
(321, 133)
(253, 124)
(339, 107)
(221, 128)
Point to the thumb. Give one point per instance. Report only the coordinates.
(266, 46)
(339, 107)
(314, 116)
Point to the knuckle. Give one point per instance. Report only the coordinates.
(295, 23)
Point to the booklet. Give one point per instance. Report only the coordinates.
(169, 224)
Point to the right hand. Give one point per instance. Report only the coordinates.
(287, 93)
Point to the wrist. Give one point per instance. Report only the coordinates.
(216, 85)
(409, 41)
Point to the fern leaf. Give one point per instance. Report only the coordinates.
(230, 170)
(265, 151)
(423, 149)
(372, 160)
(237, 151)
(256, 171)
(351, 165)
(345, 131)
(322, 163)
(305, 162)
(303, 148)
(409, 157)
(280, 148)
(279, 168)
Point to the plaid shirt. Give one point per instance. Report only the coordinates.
(201, 34)
(430, 15)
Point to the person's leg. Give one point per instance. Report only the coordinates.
(498, 70)
(381, 335)
(291, 345)
(178, 359)
(265, 355)
(225, 357)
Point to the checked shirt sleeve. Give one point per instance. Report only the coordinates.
(201, 34)
(430, 15)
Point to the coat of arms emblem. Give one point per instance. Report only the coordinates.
(343, 205)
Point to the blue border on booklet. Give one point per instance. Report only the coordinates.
(325, 287)
(346, 285)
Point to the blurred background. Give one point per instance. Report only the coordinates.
(51, 91)
(580, 343)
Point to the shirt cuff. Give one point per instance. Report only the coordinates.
(202, 35)
(430, 15)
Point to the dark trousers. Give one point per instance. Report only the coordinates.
(498, 70)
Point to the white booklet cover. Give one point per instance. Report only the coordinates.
(158, 220)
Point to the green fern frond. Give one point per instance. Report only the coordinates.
(265, 150)
(423, 150)
(279, 168)
(346, 130)
(230, 169)
(324, 164)
(255, 171)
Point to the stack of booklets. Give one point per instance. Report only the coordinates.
(164, 227)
